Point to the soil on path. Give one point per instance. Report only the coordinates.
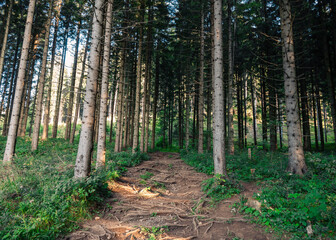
(163, 196)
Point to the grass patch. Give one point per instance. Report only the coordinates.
(289, 203)
(39, 199)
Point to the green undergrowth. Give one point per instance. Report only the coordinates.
(289, 203)
(39, 199)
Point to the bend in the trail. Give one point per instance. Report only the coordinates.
(162, 197)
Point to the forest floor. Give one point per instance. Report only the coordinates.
(162, 199)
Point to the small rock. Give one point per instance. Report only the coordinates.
(97, 218)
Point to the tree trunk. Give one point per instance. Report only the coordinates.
(296, 157)
(272, 116)
(254, 112)
(11, 139)
(218, 126)
(138, 88)
(79, 91)
(12, 83)
(121, 83)
(305, 115)
(4, 41)
(85, 147)
(46, 118)
(60, 82)
(39, 96)
(72, 87)
(156, 95)
(101, 145)
(230, 83)
(201, 87)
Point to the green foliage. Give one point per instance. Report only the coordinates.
(39, 199)
(146, 176)
(289, 202)
(218, 188)
(153, 232)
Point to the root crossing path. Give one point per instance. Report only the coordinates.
(162, 199)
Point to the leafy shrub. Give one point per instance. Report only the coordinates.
(39, 199)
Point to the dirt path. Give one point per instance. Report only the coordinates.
(164, 196)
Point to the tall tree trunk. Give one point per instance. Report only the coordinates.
(72, 87)
(79, 91)
(138, 87)
(254, 112)
(305, 115)
(280, 120)
(12, 84)
(296, 157)
(121, 83)
(114, 87)
(85, 147)
(156, 95)
(201, 87)
(39, 96)
(319, 116)
(272, 115)
(26, 104)
(46, 118)
(230, 82)
(217, 78)
(264, 109)
(101, 145)
(11, 139)
(4, 41)
(60, 82)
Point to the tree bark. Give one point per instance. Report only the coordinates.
(60, 82)
(201, 87)
(53, 50)
(72, 87)
(230, 83)
(138, 90)
(85, 147)
(4, 41)
(218, 126)
(156, 95)
(296, 157)
(101, 145)
(12, 133)
(39, 96)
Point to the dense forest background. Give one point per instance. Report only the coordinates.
(206, 78)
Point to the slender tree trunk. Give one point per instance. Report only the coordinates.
(4, 41)
(114, 86)
(120, 99)
(11, 139)
(319, 116)
(218, 127)
(156, 95)
(296, 157)
(85, 147)
(315, 118)
(101, 145)
(46, 118)
(280, 120)
(305, 116)
(138, 89)
(23, 126)
(60, 82)
(230, 82)
(12, 83)
(254, 112)
(264, 109)
(272, 116)
(201, 87)
(39, 97)
(72, 87)
(79, 92)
